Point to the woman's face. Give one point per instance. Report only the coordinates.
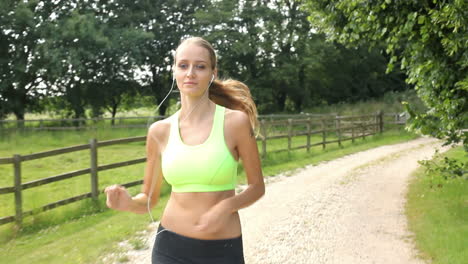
(193, 71)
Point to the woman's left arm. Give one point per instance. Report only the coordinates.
(246, 145)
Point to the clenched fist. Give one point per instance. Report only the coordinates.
(118, 198)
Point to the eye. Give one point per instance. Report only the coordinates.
(200, 66)
(182, 65)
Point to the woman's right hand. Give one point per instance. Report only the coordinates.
(118, 198)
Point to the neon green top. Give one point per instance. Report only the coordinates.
(207, 167)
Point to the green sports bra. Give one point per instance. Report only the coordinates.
(207, 167)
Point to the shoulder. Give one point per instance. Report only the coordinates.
(238, 123)
(160, 129)
(236, 118)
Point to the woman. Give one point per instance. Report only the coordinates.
(197, 150)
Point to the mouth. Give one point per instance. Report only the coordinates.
(190, 83)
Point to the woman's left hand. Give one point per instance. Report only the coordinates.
(215, 219)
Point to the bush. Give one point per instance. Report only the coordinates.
(448, 168)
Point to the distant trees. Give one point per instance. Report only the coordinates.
(98, 55)
(93, 51)
(22, 27)
(426, 39)
(274, 48)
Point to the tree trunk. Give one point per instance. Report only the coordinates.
(281, 100)
(157, 94)
(114, 112)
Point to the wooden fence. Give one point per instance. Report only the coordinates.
(116, 122)
(341, 128)
(77, 123)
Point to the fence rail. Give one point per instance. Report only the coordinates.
(117, 122)
(343, 128)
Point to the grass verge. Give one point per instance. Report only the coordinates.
(437, 211)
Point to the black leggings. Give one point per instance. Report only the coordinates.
(172, 248)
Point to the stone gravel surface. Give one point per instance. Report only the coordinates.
(349, 210)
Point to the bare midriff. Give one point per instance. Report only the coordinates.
(183, 211)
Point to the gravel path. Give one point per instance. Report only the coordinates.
(349, 210)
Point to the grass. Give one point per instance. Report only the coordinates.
(86, 230)
(390, 103)
(82, 240)
(147, 108)
(31, 142)
(437, 212)
(138, 243)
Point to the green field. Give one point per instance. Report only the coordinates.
(85, 231)
(437, 211)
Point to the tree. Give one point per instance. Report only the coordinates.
(74, 46)
(237, 31)
(21, 35)
(168, 21)
(93, 51)
(427, 39)
(270, 45)
(290, 33)
(116, 64)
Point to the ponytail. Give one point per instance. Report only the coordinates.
(235, 95)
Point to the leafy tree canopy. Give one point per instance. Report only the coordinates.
(427, 39)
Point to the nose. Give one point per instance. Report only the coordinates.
(190, 72)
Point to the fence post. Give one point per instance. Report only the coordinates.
(363, 129)
(94, 171)
(289, 133)
(18, 190)
(352, 130)
(308, 133)
(324, 133)
(264, 137)
(376, 123)
(338, 129)
(381, 122)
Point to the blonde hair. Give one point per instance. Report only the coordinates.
(228, 93)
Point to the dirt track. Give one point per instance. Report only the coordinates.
(349, 210)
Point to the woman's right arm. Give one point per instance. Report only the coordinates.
(118, 197)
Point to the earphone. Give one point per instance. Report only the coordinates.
(157, 108)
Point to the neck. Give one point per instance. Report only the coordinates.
(195, 109)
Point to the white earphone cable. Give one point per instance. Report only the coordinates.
(193, 108)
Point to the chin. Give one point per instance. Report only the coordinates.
(194, 91)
